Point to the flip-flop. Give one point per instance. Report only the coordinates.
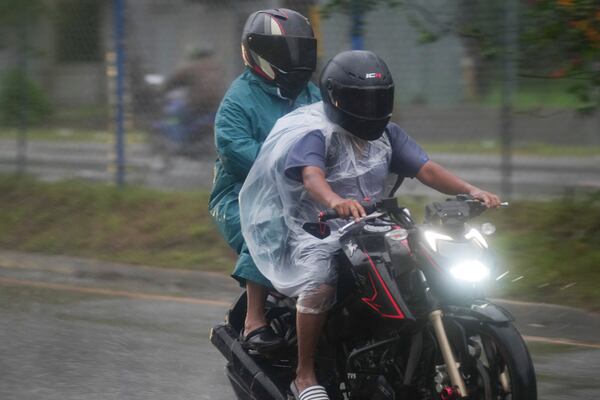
(316, 392)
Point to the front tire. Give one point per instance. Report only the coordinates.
(494, 359)
(504, 344)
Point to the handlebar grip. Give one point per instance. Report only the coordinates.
(328, 214)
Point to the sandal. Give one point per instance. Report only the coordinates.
(261, 340)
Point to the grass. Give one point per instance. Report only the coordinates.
(536, 93)
(134, 225)
(554, 245)
(493, 148)
(555, 248)
(71, 135)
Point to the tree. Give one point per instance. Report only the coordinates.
(22, 102)
(15, 13)
(564, 37)
(558, 39)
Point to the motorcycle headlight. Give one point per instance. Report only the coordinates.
(470, 271)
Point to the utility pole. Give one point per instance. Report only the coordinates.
(509, 79)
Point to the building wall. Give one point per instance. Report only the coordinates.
(424, 73)
(160, 33)
(163, 32)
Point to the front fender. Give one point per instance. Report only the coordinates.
(481, 311)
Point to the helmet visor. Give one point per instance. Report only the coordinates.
(287, 53)
(364, 102)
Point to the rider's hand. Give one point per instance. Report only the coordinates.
(349, 208)
(489, 199)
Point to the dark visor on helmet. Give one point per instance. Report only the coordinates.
(285, 52)
(364, 102)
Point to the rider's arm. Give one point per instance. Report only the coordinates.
(437, 177)
(410, 160)
(317, 187)
(236, 147)
(305, 163)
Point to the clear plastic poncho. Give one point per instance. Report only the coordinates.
(273, 207)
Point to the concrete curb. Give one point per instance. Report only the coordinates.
(89, 272)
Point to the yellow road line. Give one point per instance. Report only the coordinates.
(568, 342)
(111, 292)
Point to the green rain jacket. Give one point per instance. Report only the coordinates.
(245, 117)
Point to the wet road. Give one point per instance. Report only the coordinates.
(63, 345)
(84, 338)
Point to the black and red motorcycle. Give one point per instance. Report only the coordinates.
(411, 321)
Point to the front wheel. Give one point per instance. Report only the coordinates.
(501, 367)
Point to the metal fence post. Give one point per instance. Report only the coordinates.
(119, 44)
(356, 34)
(23, 102)
(511, 29)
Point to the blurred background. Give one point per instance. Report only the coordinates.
(506, 82)
(98, 162)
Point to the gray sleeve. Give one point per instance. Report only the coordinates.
(407, 156)
(308, 151)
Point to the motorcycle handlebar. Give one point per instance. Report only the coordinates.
(476, 205)
(331, 213)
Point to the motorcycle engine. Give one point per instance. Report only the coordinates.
(374, 388)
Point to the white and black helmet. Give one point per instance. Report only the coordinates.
(358, 93)
(279, 45)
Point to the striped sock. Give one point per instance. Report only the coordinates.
(316, 392)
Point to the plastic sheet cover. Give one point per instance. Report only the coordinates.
(274, 207)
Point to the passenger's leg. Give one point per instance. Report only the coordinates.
(248, 275)
(255, 314)
(257, 334)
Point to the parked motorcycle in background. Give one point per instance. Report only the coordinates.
(411, 321)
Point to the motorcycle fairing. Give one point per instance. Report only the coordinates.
(371, 273)
(385, 297)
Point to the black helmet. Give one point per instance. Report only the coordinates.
(358, 93)
(280, 46)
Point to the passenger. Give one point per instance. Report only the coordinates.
(280, 54)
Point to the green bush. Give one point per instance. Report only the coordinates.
(20, 97)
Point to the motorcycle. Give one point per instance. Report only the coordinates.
(172, 128)
(411, 320)
(181, 132)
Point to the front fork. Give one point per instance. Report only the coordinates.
(451, 365)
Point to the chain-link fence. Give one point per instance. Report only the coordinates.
(76, 73)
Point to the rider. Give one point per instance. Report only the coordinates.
(279, 52)
(328, 155)
(193, 93)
